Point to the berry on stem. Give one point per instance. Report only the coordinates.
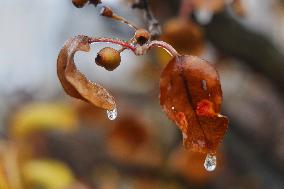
(108, 58)
(142, 36)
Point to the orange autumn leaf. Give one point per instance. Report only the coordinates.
(74, 82)
(191, 96)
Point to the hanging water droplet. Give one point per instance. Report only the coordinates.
(112, 114)
(210, 162)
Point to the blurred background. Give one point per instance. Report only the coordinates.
(51, 141)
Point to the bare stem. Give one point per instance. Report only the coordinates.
(108, 12)
(114, 41)
(170, 49)
(123, 20)
(138, 50)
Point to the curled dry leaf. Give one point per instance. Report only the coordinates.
(190, 94)
(74, 82)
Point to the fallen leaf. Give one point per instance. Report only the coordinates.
(74, 82)
(191, 96)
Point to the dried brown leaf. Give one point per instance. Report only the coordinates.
(74, 82)
(191, 95)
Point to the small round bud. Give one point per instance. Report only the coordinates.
(108, 58)
(79, 3)
(107, 12)
(142, 36)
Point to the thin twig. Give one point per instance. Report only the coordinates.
(137, 49)
(114, 41)
(108, 12)
(163, 45)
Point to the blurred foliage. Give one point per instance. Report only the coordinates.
(47, 174)
(42, 117)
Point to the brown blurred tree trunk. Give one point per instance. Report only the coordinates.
(232, 38)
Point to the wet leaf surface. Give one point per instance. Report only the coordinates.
(191, 96)
(74, 82)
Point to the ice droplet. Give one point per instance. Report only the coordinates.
(112, 114)
(210, 162)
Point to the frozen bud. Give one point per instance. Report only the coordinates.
(142, 36)
(106, 11)
(108, 58)
(79, 3)
(95, 2)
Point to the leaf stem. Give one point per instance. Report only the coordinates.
(170, 49)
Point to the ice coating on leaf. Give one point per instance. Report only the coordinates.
(191, 85)
(74, 82)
